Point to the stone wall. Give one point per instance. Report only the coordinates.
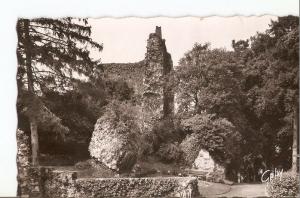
(59, 183)
(157, 98)
(132, 73)
(212, 170)
(148, 77)
(137, 187)
(30, 182)
(45, 182)
(23, 162)
(66, 184)
(150, 80)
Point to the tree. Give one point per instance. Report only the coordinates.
(287, 49)
(255, 87)
(80, 108)
(216, 135)
(50, 52)
(240, 46)
(210, 80)
(275, 68)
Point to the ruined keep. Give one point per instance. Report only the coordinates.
(149, 79)
(158, 99)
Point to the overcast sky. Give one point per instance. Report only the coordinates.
(124, 39)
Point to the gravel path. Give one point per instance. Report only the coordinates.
(209, 189)
(212, 190)
(246, 190)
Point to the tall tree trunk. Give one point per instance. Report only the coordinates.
(32, 119)
(295, 139)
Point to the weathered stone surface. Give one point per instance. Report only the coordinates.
(137, 187)
(23, 162)
(59, 183)
(205, 163)
(36, 182)
(157, 98)
(62, 183)
(66, 184)
(115, 148)
(131, 73)
(149, 79)
(30, 182)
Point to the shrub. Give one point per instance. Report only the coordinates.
(148, 143)
(190, 147)
(169, 152)
(216, 135)
(163, 132)
(285, 186)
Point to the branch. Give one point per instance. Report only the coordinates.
(57, 24)
(49, 36)
(42, 27)
(54, 42)
(38, 71)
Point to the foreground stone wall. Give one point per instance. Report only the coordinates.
(59, 183)
(50, 183)
(66, 184)
(30, 182)
(137, 187)
(23, 162)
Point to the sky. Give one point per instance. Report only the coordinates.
(125, 39)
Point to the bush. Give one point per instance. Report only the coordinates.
(190, 147)
(285, 186)
(147, 145)
(169, 152)
(216, 135)
(163, 132)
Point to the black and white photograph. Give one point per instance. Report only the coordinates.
(158, 107)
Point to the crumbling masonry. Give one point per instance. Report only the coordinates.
(158, 99)
(149, 78)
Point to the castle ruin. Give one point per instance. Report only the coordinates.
(157, 98)
(149, 78)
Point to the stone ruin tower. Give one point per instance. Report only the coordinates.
(158, 99)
